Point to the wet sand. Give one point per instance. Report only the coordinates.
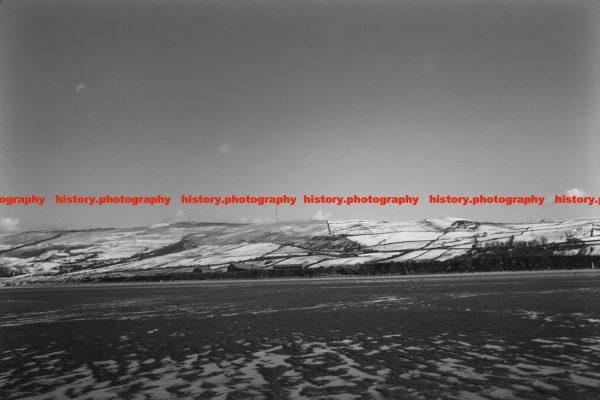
(504, 335)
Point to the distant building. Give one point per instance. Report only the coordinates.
(242, 266)
(288, 267)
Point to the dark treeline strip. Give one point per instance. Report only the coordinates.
(464, 265)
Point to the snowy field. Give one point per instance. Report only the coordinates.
(34, 256)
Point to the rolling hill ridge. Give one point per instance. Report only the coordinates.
(211, 247)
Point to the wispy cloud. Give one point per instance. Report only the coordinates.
(576, 192)
(322, 215)
(9, 224)
(80, 86)
(225, 149)
(311, 157)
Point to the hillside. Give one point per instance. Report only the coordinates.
(184, 247)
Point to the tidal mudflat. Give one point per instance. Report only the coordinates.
(475, 337)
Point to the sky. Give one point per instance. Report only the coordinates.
(297, 97)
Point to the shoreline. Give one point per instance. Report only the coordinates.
(589, 272)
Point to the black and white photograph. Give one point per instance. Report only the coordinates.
(299, 199)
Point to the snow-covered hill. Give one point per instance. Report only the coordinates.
(312, 244)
